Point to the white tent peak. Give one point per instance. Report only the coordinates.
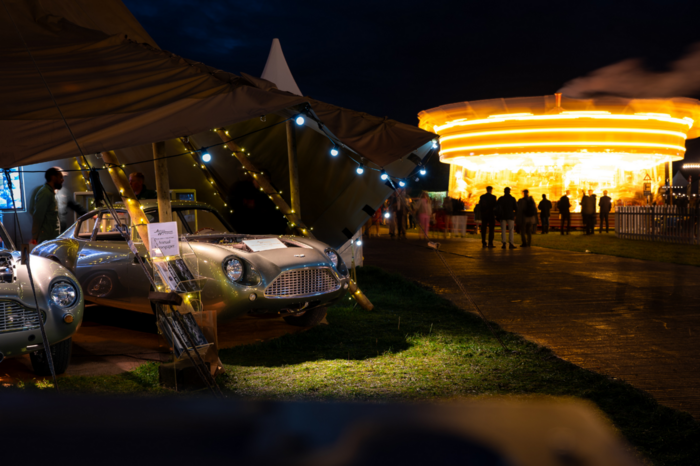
(277, 71)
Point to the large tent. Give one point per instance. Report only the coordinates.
(94, 65)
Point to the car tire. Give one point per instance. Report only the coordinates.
(310, 318)
(60, 352)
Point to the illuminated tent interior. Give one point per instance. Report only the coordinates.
(552, 144)
(119, 91)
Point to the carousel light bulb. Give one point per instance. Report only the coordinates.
(360, 170)
(299, 120)
(206, 157)
(334, 151)
(384, 176)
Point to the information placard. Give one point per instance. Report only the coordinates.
(164, 239)
(264, 244)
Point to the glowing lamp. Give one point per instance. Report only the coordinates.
(360, 169)
(384, 176)
(334, 151)
(402, 183)
(387, 215)
(422, 171)
(299, 120)
(206, 157)
(358, 242)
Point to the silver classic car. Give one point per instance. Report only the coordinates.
(244, 274)
(60, 302)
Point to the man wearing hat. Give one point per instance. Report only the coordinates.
(45, 222)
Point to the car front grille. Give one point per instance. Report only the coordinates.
(302, 282)
(16, 318)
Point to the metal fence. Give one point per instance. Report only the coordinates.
(657, 223)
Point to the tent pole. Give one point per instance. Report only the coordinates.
(165, 211)
(267, 188)
(293, 168)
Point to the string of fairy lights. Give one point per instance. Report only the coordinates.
(202, 159)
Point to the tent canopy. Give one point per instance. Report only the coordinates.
(92, 63)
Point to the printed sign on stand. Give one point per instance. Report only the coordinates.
(164, 239)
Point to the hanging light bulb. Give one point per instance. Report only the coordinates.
(299, 120)
(384, 176)
(358, 242)
(360, 169)
(435, 145)
(334, 151)
(387, 215)
(206, 157)
(402, 183)
(422, 171)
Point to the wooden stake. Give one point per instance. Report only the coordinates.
(165, 210)
(293, 168)
(133, 206)
(267, 188)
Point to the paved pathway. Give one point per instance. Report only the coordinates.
(634, 320)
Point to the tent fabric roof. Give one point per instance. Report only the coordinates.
(679, 180)
(277, 70)
(113, 91)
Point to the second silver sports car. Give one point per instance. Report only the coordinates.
(245, 274)
(59, 302)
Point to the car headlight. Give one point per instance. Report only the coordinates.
(63, 294)
(234, 270)
(333, 257)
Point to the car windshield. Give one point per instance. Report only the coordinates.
(194, 221)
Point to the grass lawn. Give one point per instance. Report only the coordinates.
(417, 346)
(609, 244)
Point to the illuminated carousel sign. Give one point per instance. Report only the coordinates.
(550, 146)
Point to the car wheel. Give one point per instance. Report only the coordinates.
(310, 318)
(60, 352)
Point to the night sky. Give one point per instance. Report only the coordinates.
(397, 58)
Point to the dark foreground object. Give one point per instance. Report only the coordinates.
(199, 431)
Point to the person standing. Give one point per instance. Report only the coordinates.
(605, 205)
(564, 206)
(588, 209)
(137, 182)
(45, 222)
(527, 215)
(506, 207)
(487, 204)
(545, 206)
(424, 210)
(400, 210)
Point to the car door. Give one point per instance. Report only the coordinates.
(103, 260)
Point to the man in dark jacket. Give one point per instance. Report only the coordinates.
(487, 204)
(506, 207)
(588, 208)
(45, 223)
(545, 206)
(605, 205)
(564, 206)
(527, 216)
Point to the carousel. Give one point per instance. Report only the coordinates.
(551, 145)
